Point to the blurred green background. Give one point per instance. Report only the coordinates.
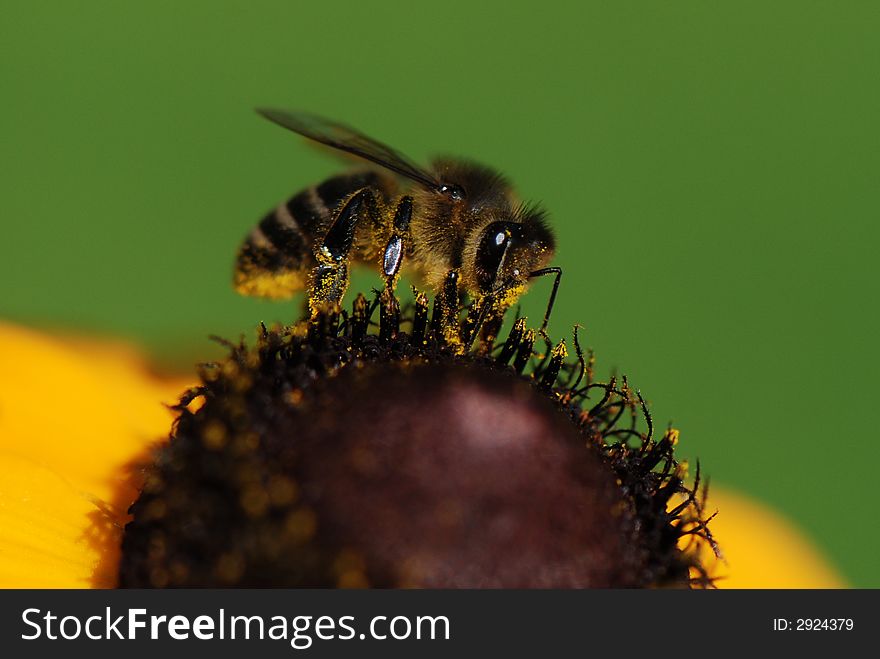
(712, 172)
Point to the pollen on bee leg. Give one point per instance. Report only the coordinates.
(420, 317)
(445, 319)
(327, 286)
(324, 320)
(389, 315)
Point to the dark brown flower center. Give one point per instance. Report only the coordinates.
(347, 457)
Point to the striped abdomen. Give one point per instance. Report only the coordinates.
(278, 254)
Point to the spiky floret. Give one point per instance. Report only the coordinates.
(298, 469)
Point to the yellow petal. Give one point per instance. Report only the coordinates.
(762, 549)
(74, 418)
(74, 422)
(53, 536)
(81, 415)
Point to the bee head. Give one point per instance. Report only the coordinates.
(510, 250)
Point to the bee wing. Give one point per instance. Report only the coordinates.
(344, 138)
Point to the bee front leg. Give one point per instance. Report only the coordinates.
(392, 257)
(329, 280)
(483, 320)
(444, 320)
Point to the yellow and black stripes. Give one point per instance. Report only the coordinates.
(278, 255)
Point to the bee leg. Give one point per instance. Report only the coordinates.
(484, 320)
(541, 273)
(329, 280)
(392, 258)
(477, 318)
(444, 318)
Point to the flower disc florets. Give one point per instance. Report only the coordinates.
(349, 452)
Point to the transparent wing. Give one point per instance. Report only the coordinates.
(339, 136)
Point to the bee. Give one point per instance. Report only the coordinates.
(456, 225)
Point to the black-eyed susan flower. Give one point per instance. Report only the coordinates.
(352, 453)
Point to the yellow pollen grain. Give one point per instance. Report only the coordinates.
(560, 351)
(682, 470)
(195, 404)
(214, 436)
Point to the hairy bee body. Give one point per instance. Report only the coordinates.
(457, 226)
(278, 255)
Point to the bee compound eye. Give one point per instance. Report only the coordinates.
(493, 245)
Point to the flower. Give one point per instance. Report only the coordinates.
(763, 549)
(74, 418)
(79, 421)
